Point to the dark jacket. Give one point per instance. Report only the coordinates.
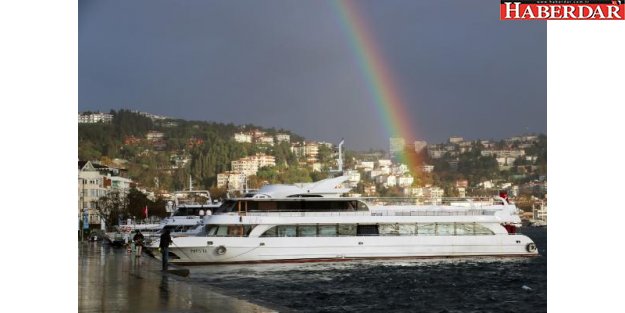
(138, 238)
(165, 240)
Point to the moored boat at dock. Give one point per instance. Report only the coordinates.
(309, 226)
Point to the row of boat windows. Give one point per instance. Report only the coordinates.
(193, 211)
(292, 206)
(179, 228)
(339, 230)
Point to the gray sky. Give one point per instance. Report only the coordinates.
(288, 64)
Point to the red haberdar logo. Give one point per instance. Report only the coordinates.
(562, 10)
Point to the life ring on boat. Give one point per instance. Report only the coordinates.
(220, 250)
(531, 247)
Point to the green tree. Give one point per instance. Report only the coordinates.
(294, 175)
(111, 206)
(137, 201)
(268, 173)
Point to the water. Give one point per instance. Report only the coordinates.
(433, 285)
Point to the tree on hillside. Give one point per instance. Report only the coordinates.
(268, 173)
(317, 176)
(324, 154)
(127, 123)
(283, 154)
(294, 175)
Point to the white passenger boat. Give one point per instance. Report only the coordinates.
(187, 214)
(307, 226)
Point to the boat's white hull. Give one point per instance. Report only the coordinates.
(205, 250)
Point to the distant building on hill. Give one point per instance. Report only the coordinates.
(405, 180)
(243, 137)
(154, 136)
(151, 116)
(309, 150)
(231, 180)
(455, 139)
(283, 138)
(427, 168)
(265, 140)
(250, 165)
(91, 118)
(436, 153)
(503, 153)
(419, 145)
(396, 146)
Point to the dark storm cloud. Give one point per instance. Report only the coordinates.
(288, 64)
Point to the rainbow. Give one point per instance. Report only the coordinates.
(377, 75)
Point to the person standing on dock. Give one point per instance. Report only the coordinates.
(164, 245)
(138, 239)
(126, 239)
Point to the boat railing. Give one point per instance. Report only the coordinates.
(304, 214)
(469, 212)
(445, 201)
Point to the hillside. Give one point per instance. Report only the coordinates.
(163, 153)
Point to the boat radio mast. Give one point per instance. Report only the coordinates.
(340, 160)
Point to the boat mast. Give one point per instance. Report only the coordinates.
(340, 160)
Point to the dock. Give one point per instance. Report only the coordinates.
(114, 280)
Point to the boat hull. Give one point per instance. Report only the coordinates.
(215, 250)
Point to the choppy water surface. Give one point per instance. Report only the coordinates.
(432, 285)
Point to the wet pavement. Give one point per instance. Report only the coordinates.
(113, 280)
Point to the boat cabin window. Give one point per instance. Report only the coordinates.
(287, 231)
(347, 230)
(271, 232)
(228, 230)
(389, 230)
(426, 229)
(177, 228)
(307, 231)
(187, 211)
(367, 230)
(303, 231)
(482, 230)
(295, 205)
(465, 229)
(327, 230)
(181, 212)
(407, 229)
(445, 229)
(397, 229)
(226, 207)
